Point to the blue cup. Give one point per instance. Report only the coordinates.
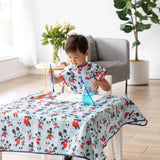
(85, 97)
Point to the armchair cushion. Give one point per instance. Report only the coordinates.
(92, 49)
(112, 54)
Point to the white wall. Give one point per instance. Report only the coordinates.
(92, 17)
(11, 68)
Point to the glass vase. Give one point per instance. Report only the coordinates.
(56, 58)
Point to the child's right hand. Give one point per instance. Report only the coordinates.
(49, 71)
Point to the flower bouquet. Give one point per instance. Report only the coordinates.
(56, 36)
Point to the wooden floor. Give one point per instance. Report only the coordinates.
(139, 143)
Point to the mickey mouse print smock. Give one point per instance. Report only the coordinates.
(89, 72)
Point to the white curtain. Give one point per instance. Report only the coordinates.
(23, 32)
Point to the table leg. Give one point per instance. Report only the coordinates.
(0, 155)
(43, 156)
(111, 148)
(46, 78)
(118, 144)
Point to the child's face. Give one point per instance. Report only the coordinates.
(78, 58)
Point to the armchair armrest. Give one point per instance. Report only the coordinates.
(112, 49)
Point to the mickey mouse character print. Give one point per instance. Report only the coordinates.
(90, 72)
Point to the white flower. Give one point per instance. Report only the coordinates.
(72, 27)
(65, 25)
(45, 26)
(57, 25)
(50, 27)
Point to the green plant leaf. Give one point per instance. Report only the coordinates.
(126, 28)
(122, 15)
(141, 27)
(45, 42)
(154, 18)
(44, 35)
(136, 43)
(129, 4)
(140, 16)
(119, 4)
(145, 8)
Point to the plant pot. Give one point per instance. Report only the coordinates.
(139, 73)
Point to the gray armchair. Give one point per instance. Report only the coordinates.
(112, 54)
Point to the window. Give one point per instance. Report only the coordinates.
(5, 28)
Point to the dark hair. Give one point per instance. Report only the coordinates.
(75, 42)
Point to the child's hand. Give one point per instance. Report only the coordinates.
(95, 84)
(49, 71)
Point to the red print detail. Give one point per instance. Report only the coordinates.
(3, 148)
(49, 137)
(88, 142)
(111, 128)
(88, 78)
(72, 80)
(10, 124)
(94, 145)
(3, 134)
(56, 126)
(64, 116)
(97, 74)
(103, 139)
(126, 102)
(82, 145)
(127, 114)
(39, 125)
(65, 144)
(37, 141)
(75, 123)
(26, 121)
(18, 141)
(47, 104)
(47, 151)
(89, 69)
(79, 71)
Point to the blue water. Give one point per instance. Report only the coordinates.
(86, 99)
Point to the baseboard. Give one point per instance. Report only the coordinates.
(13, 75)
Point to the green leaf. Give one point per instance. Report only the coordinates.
(119, 4)
(122, 15)
(154, 18)
(145, 8)
(129, 4)
(139, 3)
(141, 27)
(126, 28)
(136, 43)
(45, 35)
(45, 42)
(140, 16)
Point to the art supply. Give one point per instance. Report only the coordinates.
(87, 98)
(52, 77)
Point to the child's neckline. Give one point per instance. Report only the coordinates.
(83, 65)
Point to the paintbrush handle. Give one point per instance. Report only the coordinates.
(52, 77)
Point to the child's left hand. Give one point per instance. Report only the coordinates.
(95, 84)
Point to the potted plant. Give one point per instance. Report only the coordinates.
(56, 36)
(135, 13)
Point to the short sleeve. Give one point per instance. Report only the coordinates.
(66, 75)
(99, 72)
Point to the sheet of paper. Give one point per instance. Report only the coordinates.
(74, 97)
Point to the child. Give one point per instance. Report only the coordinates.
(76, 48)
